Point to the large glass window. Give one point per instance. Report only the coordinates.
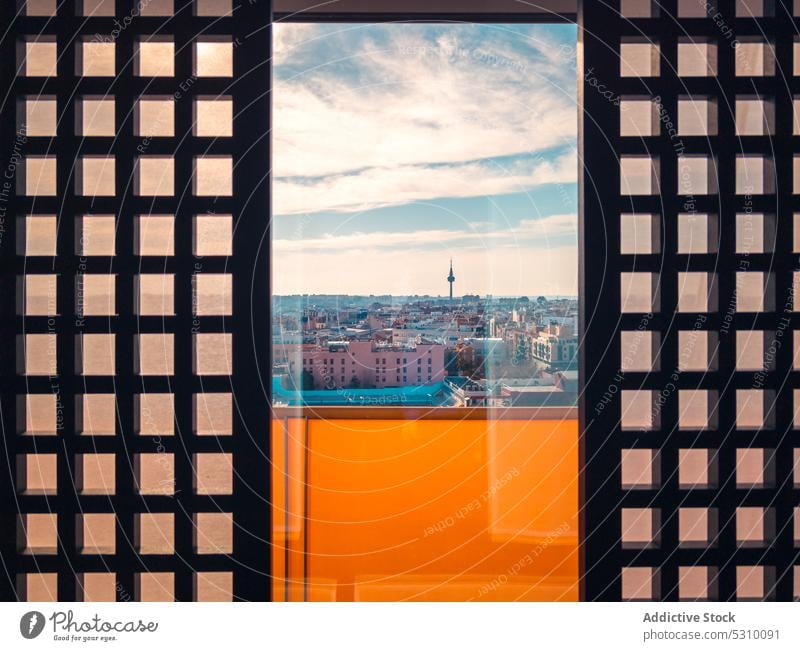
(424, 257)
(425, 215)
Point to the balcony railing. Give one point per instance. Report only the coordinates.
(392, 503)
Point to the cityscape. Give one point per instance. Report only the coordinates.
(423, 350)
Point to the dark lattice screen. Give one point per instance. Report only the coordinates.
(135, 267)
(690, 251)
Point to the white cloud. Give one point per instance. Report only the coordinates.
(383, 186)
(493, 235)
(417, 103)
(390, 116)
(289, 38)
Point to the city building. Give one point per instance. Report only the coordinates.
(556, 346)
(361, 364)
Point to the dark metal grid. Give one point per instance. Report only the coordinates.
(602, 496)
(249, 504)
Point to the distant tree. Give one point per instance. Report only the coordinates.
(524, 300)
(307, 380)
(355, 383)
(521, 351)
(541, 301)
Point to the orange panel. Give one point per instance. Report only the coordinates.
(428, 510)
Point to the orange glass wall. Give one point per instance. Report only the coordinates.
(425, 509)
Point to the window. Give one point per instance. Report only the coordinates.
(96, 354)
(38, 177)
(96, 533)
(155, 354)
(514, 324)
(96, 414)
(213, 474)
(36, 354)
(96, 474)
(155, 294)
(638, 117)
(213, 7)
(38, 115)
(755, 116)
(640, 234)
(756, 58)
(154, 176)
(95, 58)
(213, 57)
(154, 414)
(96, 7)
(697, 116)
(213, 235)
(213, 176)
(213, 533)
(95, 116)
(696, 175)
(640, 528)
(38, 56)
(158, 8)
(212, 353)
(639, 58)
(212, 294)
(697, 57)
(155, 473)
(40, 7)
(96, 176)
(37, 235)
(154, 116)
(640, 584)
(37, 294)
(213, 117)
(639, 175)
(37, 533)
(155, 57)
(155, 235)
(97, 586)
(95, 235)
(697, 233)
(213, 414)
(213, 586)
(95, 294)
(155, 533)
(36, 474)
(155, 586)
(37, 414)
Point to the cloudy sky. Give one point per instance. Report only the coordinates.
(397, 147)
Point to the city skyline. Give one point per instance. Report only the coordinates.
(486, 177)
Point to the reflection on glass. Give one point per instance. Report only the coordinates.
(425, 259)
(425, 228)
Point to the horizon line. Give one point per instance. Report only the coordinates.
(430, 295)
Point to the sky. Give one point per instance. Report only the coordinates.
(397, 147)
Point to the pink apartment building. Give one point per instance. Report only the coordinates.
(366, 364)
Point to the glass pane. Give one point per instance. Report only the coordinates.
(425, 256)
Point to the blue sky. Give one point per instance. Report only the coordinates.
(399, 146)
